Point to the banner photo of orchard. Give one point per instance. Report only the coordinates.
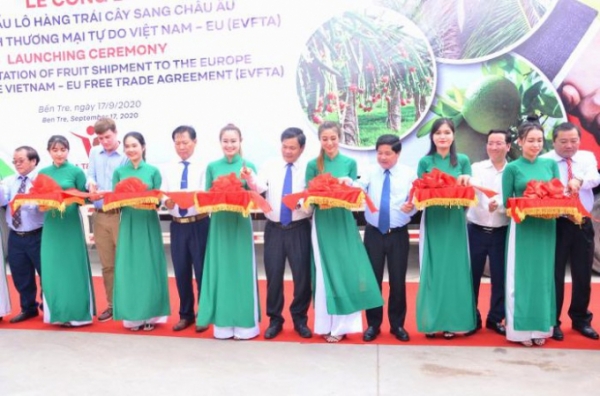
(375, 67)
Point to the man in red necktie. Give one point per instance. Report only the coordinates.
(574, 242)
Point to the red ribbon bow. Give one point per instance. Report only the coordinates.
(437, 188)
(132, 192)
(544, 190)
(327, 192)
(546, 200)
(227, 193)
(47, 193)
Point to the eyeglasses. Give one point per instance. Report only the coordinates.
(19, 162)
(497, 144)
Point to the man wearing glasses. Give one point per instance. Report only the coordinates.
(25, 235)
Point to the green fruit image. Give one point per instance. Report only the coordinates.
(492, 103)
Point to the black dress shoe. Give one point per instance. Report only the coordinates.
(371, 333)
(495, 326)
(183, 324)
(302, 330)
(272, 331)
(587, 331)
(400, 333)
(23, 316)
(557, 334)
(201, 329)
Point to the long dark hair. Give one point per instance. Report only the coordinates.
(140, 138)
(433, 149)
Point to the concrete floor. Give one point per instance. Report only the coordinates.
(72, 363)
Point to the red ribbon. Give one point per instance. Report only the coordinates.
(327, 186)
(548, 194)
(440, 185)
(229, 190)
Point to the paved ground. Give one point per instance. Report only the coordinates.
(72, 363)
(64, 363)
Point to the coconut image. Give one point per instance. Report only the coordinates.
(497, 94)
(492, 103)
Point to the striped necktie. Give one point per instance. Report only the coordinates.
(17, 220)
(569, 162)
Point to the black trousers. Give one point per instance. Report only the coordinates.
(188, 245)
(484, 243)
(574, 243)
(24, 261)
(393, 246)
(291, 242)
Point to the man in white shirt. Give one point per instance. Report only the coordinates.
(287, 234)
(386, 234)
(189, 230)
(25, 235)
(103, 161)
(487, 226)
(574, 243)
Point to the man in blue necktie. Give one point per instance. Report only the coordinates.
(25, 235)
(189, 229)
(287, 234)
(386, 234)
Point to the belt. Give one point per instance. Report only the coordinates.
(390, 230)
(487, 230)
(111, 212)
(293, 224)
(189, 219)
(28, 233)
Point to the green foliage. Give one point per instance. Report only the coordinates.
(359, 62)
(537, 95)
(373, 124)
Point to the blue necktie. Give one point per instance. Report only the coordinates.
(184, 184)
(384, 205)
(285, 215)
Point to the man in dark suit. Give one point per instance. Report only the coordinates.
(189, 229)
(287, 234)
(25, 235)
(386, 234)
(574, 242)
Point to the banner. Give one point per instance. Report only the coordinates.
(381, 66)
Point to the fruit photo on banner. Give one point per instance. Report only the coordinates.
(497, 94)
(463, 31)
(372, 71)
(580, 92)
